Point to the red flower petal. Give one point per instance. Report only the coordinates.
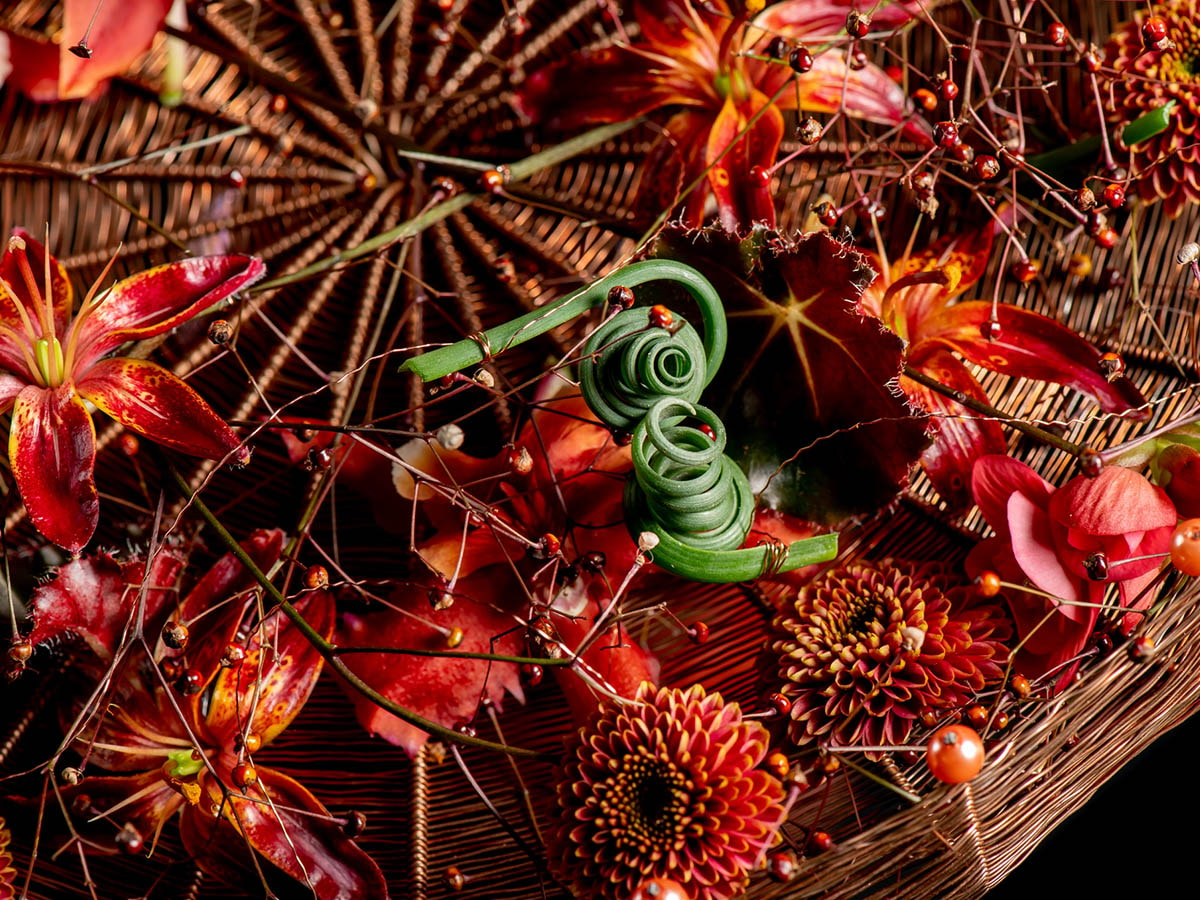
(1036, 553)
(997, 477)
(1031, 346)
(148, 399)
(52, 451)
(827, 18)
(1117, 501)
(60, 292)
(120, 34)
(153, 302)
(867, 93)
(275, 685)
(34, 65)
(961, 437)
(445, 690)
(148, 813)
(741, 199)
(96, 598)
(294, 831)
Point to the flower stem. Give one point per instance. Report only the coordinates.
(987, 409)
(328, 651)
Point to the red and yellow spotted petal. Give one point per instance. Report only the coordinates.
(52, 451)
(60, 294)
(866, 93)
(276, 684)
(743, 137)
(153, 302)
(294, 832)
(148, 399)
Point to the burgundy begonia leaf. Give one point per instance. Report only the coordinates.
(96, 598)
(444, 690)
(961, 436)
(153, 302)
(294, 831)
(146, 398)
(274, 684)
(52, 451)
(808, 390)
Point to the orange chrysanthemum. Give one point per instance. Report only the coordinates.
(1167, 166)
(666, 786)
(866, 646)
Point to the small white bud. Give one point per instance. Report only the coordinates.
(1188, 253)
(647, 541)
(450, 437)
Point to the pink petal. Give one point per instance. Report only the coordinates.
(34, 65)
(148, 399)
(121, 33)
(866, 93)
(52, 451)
(1117, 501)
(153, 302)
(10, 387)
(444, 690)
(811, 19)
(997, 477)
(1035, 551)
(295, 832)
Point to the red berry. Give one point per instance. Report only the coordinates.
(781, 704)
(945, 134)
(244, 775)
(699, 633)
(707, 430)
(826, 214)
(991, 330)
(1020, 686)
(175, 635)
(316, 577)
(1089, 60)
(821, 841)
(455, 879)
(1141, 648)
(1026, 270)
(20, 651)
(454, 637)
(532, 674)
(777, 47)
(988, 584)
(519, 460)
(977, 715)
(355, 824)
(660, 316)
(1114, 196)
(948, 89)
(760, 176)
(963, 153)
(779, 765)
(1000, 721)
(809, 131)
(190, 681)
(1056, 34)
(1090, 464)
(1096, 566)
(1185, 547)
(857, 24)
(954, 754)
(928, 716)
(493, 180)
(1154, 29)
(781, 865)
(620, 297)
(1107, 238)
(925, 99)
(923, 181)
(251, 742)
(1112, 366)
(801, 60)
(593, 561)
(659, 889)
(987, 166)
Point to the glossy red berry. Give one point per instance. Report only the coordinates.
(1000, 721)
(1114, 195)
(1090, 464)
(857, 24)
(977, 715)
(316, 578)
(190, 681)
(780, 704)
(620, 297)
(1141, 648)
(175, 635)
(659, 889)
(988, 584)
(519, 460)
(991, 330)
(777, 47)
(778, 764)
(250, 742)
(925, 99)
(661, 317)
(129, 840)
(699, 633)
(1185, 547)
(809, 131)
(1096, 566)
(1056, 34)
(948, 90)
(928, 716)
(1154, 30)
(801, 60)
(532, 674)
(1026, 270)
(707, 431)
(987, 166)
(963, 153)
(493, 180)
(1089, 60)
(955, 754)
(945, 134)
(454, 879)
(760, 176)
(1107, 238)
(781, 865)
(821, 841)
(244, 775)
(1020, 686)
(923, 181)
(355, 824)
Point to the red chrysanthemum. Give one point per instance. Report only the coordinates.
(867, 645)
(1166, 166)
(665, 786)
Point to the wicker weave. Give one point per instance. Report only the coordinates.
(314, 184)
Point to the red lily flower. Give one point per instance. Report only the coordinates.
(189, 749)
(710, 69)
(1069, 543)
(917, 297)
(482, 564)
(51, 364)
(47, 70)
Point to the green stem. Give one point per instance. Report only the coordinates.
(437, 363)
(1140, 129)
(328, 651)
(518, 171)
(987, 409)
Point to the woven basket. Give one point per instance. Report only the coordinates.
(276, 165)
